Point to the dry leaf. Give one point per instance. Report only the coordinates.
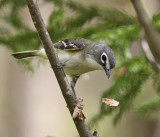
(122, 71)
(78, 110)
(110, 102)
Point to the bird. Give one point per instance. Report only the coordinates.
(78, 56)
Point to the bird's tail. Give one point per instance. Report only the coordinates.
(25, 54)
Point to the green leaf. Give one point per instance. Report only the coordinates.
(21, 42)
(151, 107)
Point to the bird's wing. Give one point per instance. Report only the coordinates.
(70, 44)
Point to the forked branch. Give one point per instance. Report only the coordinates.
(152, 35)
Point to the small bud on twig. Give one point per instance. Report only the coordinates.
(95, 133)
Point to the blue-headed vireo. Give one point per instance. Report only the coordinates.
(78, 56)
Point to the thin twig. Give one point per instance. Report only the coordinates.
(149, 55)
(147, 51)
(151, 34)
(54, 61)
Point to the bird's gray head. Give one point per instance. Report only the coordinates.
(104, 56)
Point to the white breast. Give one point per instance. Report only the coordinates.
(78, 64)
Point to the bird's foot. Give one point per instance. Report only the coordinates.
(60, 65)
(79, 103)
(78, 110)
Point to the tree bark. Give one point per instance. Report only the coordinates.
(55, 64)
(151, 34)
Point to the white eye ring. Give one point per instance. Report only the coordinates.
(103, 54)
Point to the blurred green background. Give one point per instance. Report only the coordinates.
(31, 104)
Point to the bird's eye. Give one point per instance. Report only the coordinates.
(103, 57)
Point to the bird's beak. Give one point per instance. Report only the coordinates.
(108, 72)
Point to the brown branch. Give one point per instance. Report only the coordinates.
(151, 34)
(54, 61)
